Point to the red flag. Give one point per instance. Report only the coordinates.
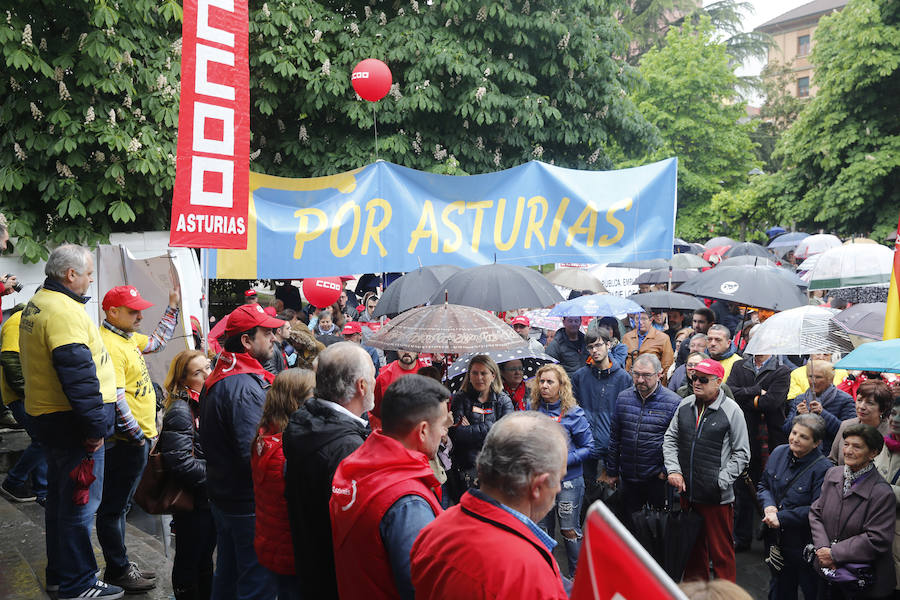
(212, 168)
(614, 566)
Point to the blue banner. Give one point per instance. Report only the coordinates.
(384, 217)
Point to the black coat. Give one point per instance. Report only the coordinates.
(179, 446)
(746, 385)
(316, 440)
(570, 354)
(468, 440)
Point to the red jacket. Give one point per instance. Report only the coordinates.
(388, 375)
(274, 548)
(479, 550)
(365, 485)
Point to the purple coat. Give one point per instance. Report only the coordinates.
(862, 523)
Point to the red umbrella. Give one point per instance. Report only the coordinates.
(83, 476)
(716, 251)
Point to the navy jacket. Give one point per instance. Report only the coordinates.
(837, 406)
(229, 412)
(637, 431)
(570, 354)
(578, 430)
(792, 504)
(596, 391)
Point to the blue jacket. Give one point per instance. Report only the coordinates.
(229, 412)
(636, 433)
(581, 442)
(837, 406)
(596, 391)
(618, 354)
(793, 507)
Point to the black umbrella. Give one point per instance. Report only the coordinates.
(498, 287)
(531, 361)
(749, 286)
(668, 536)
(662, 276)
(865, 320)
(413, 289)
(747, 249)
(667, 301)
(653, 263)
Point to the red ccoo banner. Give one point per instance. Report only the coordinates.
(209, 208)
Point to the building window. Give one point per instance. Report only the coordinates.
(803, 87)
(803, 45)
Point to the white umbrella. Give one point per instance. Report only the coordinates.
(816, 244)
(802, 330)
(541, 319)
(852, 266)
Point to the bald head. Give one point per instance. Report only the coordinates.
(517, 448)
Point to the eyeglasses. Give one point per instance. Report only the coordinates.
(637, 375)
(513, 369)
(703, 380)
(596, 345)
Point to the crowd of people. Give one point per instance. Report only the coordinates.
(321, 467)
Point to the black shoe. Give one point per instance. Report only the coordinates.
(130, 581)
(16, 494)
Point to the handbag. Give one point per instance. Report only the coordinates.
(158, 493)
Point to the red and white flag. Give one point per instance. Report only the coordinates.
(209, 208)
(614, 566)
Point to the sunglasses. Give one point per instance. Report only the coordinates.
(703, 380)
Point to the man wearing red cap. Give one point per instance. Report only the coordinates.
(231, 405)
(128, 449)
(522, 325)
(705, 449)
(353, 333)
(250, 297)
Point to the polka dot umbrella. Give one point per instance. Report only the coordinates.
(531, 361)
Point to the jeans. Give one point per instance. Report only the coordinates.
(568, 511)
(125, 464)
(70, 552)
(195, 542)
(239, 576)
(32, 463)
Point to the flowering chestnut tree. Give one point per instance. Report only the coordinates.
(89, 99)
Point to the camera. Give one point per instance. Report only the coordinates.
(17, 286)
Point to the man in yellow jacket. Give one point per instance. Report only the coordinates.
(70, 390)
(128, 449)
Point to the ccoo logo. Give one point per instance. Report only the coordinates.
(729, 287)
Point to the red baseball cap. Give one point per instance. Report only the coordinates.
(351, 328)
(520, 320)
(248, 316)
(270, 310)
(125, 295)
(249, 293)
(711, 367)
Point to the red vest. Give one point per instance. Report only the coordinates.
(272, 540)
(388, 375)
(365, 485)
(479, 550)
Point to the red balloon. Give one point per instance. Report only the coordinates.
(371, 79)
(322, 291)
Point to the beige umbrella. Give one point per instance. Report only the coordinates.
(446, 328)
(576, 279)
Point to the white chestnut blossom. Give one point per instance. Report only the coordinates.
(27, 41)
(20, 154)
(36, 113)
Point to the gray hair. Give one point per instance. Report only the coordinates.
(813, 422)
(720, 329)
(649, 359)
(65, 257)
(698, 336)
(339, 367)
(518, 447)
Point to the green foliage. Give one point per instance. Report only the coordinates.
(690, 97)
(477, 86)
(777, 113)
(88, 112)
(648, 22)
(841, 158)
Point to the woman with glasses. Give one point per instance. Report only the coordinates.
(552, 395)
(479, 404)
